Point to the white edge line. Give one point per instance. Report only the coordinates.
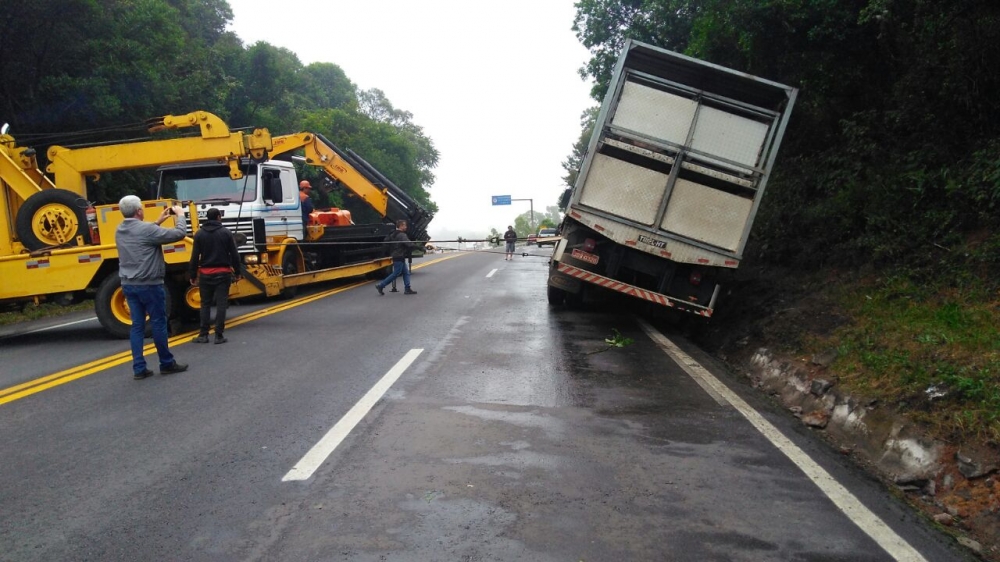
(856, 511)
(490, 274)
(316, 456)
(59, 326)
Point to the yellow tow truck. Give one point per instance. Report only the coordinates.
(54, 245)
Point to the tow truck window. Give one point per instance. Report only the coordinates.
(209, 184)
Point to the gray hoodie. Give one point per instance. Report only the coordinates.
(140, 252)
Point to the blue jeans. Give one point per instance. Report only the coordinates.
(151, 300)
(398, 268)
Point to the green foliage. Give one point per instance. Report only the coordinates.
(894, 144)
(75, 71)
(618, 340)
(524, 226)
(912, 338)
(575, 159)
(43, 310)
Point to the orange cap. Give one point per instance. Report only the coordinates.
(304, 184)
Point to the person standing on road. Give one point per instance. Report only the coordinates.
(510, 237)
(400, 245)
(214, 265)
(141, 269)
(305, 188)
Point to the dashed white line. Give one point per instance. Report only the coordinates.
(856, 511)
(316, 456)
(490, 274)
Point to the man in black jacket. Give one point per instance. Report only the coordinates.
(214, 262)
(399, 247)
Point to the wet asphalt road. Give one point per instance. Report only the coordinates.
(516, 434)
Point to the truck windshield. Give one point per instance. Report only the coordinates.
(208, 184)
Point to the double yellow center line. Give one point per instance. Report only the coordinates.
(35, 386)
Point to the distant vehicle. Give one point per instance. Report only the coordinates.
(532, 238)
(546, 233)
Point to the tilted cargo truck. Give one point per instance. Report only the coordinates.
(672, 179)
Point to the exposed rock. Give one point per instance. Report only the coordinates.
(944, 519)
(824, 359)
(816, 419)
(974, 464)
(909, 459)
(971, 544)
(819, 387)
(930, 488)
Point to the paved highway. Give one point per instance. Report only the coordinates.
(468, 422)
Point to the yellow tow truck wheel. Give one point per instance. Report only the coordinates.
(52, 217)
(113, 311)
(192, 298)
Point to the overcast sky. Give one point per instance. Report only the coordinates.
(493, 84)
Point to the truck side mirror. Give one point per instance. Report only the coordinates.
(151, 190)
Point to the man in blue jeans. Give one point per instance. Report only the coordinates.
(141, 269)
(399, 246)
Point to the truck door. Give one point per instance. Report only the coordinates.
(282, 214)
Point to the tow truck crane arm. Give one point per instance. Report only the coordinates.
(71, 166)
(41, 212)
(359, 176)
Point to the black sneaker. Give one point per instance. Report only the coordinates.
(409, 291)
(201, 339)
(175, 368)
(379, 289)
(220, 339)
(142, 375)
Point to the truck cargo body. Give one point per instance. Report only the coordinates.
(671, 182)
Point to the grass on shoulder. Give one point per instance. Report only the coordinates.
(43, 310)
(934, 351)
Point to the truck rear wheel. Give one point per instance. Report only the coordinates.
(52, 217)
(290, 266)
(112, 309)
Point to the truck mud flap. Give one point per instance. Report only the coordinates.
(631, 290)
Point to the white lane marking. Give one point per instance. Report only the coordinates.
(490, 274)
(856, 511)
(316, 456)
(59, 326)
(689, 365)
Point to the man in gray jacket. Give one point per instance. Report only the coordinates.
(141, 269)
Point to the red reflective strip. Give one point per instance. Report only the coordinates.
(702, 260)
(630, 242)
(598, 227)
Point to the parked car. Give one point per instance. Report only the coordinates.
(545, 233)
(532, 238)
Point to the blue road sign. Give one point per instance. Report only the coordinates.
(501, 199)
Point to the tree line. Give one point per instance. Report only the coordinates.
(892, 156)
(82, 71)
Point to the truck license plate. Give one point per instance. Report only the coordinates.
(584, 256)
